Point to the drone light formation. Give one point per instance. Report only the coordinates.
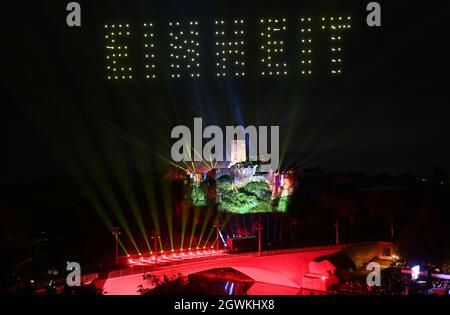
(149, 49)
(306, 46)
(229, 48)
(184, 49)
(336, 25)
(273, 46)
(117, 37)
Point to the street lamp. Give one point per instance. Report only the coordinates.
(116, 232)
(217, 235)
(259, 227)
(155, 236)
(337, 231)
(392, 228)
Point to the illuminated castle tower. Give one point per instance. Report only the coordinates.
(238, 151)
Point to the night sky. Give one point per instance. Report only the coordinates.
(388, 112)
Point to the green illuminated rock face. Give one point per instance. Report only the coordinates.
(254, 196)
(251, 198)
(198, 196)
(283, 204)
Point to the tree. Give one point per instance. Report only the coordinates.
(168, 284)
(89, 289)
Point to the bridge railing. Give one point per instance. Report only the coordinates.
(314, 248)
(141, 269)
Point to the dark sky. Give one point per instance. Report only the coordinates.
(388, 112)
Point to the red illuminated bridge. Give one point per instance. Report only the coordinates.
(275, 272)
